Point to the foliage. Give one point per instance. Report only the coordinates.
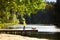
(10, 8)
(8, 12)
(30, 6)
(26, 7)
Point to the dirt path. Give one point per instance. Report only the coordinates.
(16, 37)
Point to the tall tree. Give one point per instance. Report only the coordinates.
(26, 7)
(9, 9)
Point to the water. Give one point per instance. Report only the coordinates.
(40, 28)
(49, 32)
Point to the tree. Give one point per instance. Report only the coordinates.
(30, 6)
(57, 14)
(9, 9)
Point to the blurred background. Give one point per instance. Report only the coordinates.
(43, 15)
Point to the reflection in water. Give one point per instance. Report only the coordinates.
(55, 36)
